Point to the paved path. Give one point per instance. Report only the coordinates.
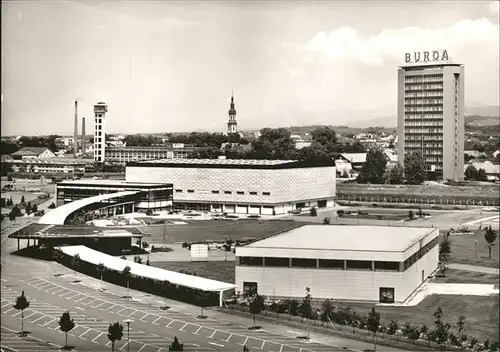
(475, 268)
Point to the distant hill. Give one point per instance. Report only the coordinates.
(480, 121)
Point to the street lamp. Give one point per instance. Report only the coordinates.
(128, 321)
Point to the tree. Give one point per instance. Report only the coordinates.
(414, 168)
(373, 325)
(481, 175)
(470, 173)
(374, 168)
(66, 324)
(202, 300)
(413, 333)
(461, 328)
(395, 175)
(411, 214)
(16, 212)
(75, 263)
(490, 236)
(327, 137)
(441, 329)
(101, 268)
(22, 303)
(115, 333)
(52, 206)
(256, 305)
(326, 311)
(444, 252)
(127, 274)
(22, 200)
(176, 346)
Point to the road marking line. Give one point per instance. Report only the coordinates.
(81, 299)
(182, 329)
(79, 308)
(227, 340)
(212, 336)
(100, 304)
(49, 321)
(144, 316)
(263, 343)
(31, 315)
(155, 322)
(244, 343)
(8, 310)
(167, 326)
(93, 340)
(121, 310)
(34, 321)
(5, 305)
(216, 344)
(124, 345)
(81, 336)
(196, 332)
(141, 348)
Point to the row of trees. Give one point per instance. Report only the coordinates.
(375, 169)
(344, 315)
(8, 147)
(66, 324)
(473, 174)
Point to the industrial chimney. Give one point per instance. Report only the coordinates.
(75, 133)
(83, 135)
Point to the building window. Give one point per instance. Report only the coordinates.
(240, 193)
(253, 193)
(227, 192)
(190, 190)
(249, 288)
(386, 266)
(387, 295)
(178, 190)
(277, 262)
(251, 261)
(359, 265)
(303, 263)
(331, 264)
(266, 193)
(215, 192)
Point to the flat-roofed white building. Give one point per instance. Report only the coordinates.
(268, 187)
(352, 263)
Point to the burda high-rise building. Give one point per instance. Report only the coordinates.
(431, 113)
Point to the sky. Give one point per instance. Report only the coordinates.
(171, 66)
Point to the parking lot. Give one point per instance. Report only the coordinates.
(161, 325)
(12, 342)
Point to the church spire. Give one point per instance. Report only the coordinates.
(232, 125)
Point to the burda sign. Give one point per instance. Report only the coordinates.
(426, 56)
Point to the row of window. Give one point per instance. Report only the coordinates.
(435, 95)
(408, 263)
(240, 193)
(423, 77)
(319, 263)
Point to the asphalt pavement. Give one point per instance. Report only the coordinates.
(152, 329)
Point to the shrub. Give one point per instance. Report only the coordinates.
(313, 212)
(294, 307)
(326, 221)
(52, 206)
(340, 212)
(149, 212)
(145, 245)
(392, 327)
(123, 257)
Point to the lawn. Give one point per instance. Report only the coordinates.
(215, 270)
(466, 277)
(481, 313)
(217, 230)
(463, 251)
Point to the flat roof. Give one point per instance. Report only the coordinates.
(230, 163)
(58, 215)
(92, 182)
(348, 238)
(63, 231)
(95, 257)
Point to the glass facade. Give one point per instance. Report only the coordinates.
(154, 197)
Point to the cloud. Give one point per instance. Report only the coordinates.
(345, 44)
